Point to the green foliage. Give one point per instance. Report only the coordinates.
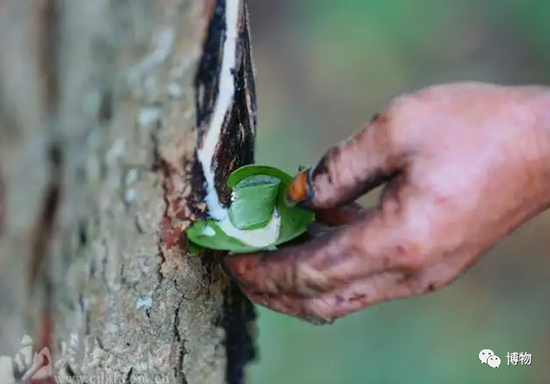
(257, 192)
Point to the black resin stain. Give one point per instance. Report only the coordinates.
(236, 148)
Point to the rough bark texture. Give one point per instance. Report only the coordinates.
(99, 179)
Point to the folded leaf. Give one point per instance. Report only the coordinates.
(257, 191)
(254, 199)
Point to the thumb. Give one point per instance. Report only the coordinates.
(345, 172)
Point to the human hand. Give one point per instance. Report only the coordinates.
(466, 164)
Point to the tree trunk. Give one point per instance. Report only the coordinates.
(102, 107)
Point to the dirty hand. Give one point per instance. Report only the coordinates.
(465, 163)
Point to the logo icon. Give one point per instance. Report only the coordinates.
(487, 356)
(493, 361)
(484, 355)
(26, 365)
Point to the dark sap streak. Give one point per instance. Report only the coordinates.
(207, 78)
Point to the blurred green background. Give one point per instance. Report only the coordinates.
(323, 69)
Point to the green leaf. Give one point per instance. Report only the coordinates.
(194, 249)
(208, 234)
(254, 199)
(257, 191)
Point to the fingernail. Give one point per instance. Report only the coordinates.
(300, 189)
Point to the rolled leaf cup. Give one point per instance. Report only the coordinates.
(253, 201)
(256, 199)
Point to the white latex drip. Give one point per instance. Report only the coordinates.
(262, 237)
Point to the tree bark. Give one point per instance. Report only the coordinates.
(102, 107)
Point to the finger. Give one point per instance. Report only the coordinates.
(360, 294)
(340, 215)
(314, 230)
(322, 309)
(306, 269)
(317, 229)
(330, 261)
(366, 160)
(327, 219)
(326, 308)
(288, 306)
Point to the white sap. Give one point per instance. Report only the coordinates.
(262, 237)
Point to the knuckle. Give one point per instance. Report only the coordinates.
(441, 275)
(414, 284)
(310, 277)
(400, 109)
(319, 311)
(423, 286)
(411, 257)
(407, 114)
(420, 245)
(316, 320)
(259, 300)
